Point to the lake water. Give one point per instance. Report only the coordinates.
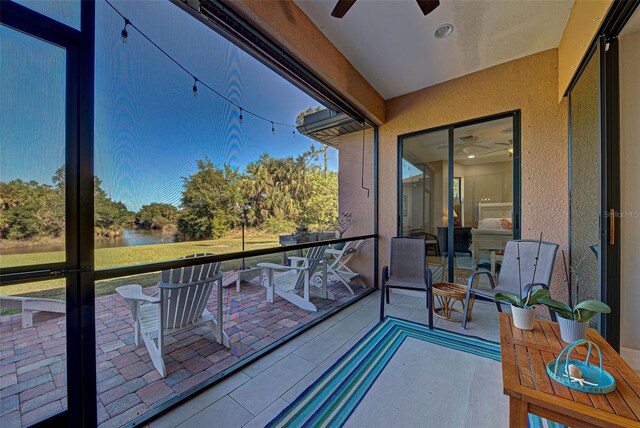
(129, 237)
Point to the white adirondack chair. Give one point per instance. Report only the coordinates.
(180, 305)
(29, 305)
(339, 269)
(292, 280)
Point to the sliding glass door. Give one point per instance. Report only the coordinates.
(483, 208)
(584, 161)
(629, 73)
(594, 186)
(32, 194)
(46, 258)
(459, 189)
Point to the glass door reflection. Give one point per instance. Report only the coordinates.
(483, 202)
(465, 224)
(425, 189)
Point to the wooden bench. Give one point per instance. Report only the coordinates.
(29, 305)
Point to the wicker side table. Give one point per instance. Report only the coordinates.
(446, 295)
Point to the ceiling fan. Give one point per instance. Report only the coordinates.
(508, 148)
(343, 6)
(470, 144)
(462, 144)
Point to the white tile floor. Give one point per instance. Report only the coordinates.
(255, 395)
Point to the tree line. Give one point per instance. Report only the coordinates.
(31, 210)
(273, 194)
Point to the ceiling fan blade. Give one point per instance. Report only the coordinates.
(342, 8)
(427, 6)
(492, 152)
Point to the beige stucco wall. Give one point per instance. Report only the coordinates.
(528, 84)
(292, 30)
(583, 23)
(353, 198)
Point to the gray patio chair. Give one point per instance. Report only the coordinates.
(430, 240)
(508, 281)
(407, 271)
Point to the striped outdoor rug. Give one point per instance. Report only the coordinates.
(331, 399)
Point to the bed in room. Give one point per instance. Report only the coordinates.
(492, 233)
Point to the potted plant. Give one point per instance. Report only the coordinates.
(302, 234)
(523, 306)
(341, 225)
(574, 320)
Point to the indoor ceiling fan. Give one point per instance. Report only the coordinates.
(472, 146)
(508, 147)
(343, 6)
(462, 144)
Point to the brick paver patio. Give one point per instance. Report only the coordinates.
(32, 360)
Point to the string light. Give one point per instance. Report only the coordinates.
(124, 35)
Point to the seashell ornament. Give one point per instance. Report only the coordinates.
(575, 374)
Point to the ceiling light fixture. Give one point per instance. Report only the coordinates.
(471, 156)
(443, 31)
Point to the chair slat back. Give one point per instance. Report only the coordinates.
(314, 256)
(353, 246)
(184, 293)
(408, 261)
(509, 278)
(348, 252)
(215, 266)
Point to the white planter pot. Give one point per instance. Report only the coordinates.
(571, 330)
(523, 318)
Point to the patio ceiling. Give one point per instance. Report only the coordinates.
(393, 45)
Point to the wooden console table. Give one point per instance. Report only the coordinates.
(525, 355)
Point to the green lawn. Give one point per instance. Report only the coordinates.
(127, 256)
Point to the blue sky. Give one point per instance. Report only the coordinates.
(149, 128)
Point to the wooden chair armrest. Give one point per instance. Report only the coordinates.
(276, 266)
(296, 260)
(133, 292)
